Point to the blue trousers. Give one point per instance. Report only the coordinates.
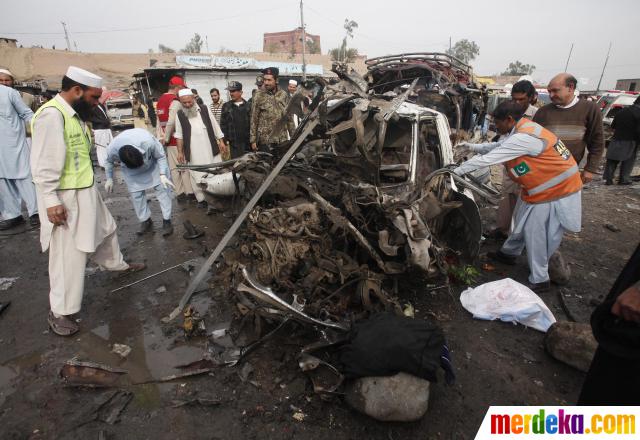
(141, 206)
(12, 193)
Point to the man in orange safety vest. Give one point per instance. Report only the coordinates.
(550, 200)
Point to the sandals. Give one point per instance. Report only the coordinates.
(62, 326)
(133, 267)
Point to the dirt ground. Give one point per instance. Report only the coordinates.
(496, 363)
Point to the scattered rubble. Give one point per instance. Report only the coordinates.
(6, 283)
(172, 377)
(191, 232)
(109, 412)
(90, 374)
(572, 343)
(398, 398)
(200, 401)
(612, 227)
(121, 349)
(559, 269)
(193, 324)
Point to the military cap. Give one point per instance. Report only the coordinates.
(271, 71)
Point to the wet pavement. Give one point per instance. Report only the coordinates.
(496, 363)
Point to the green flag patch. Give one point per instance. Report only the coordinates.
(521, 169)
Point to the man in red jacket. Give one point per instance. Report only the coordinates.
(168, 106)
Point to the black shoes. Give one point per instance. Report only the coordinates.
(496, 234)
(11, 223)
(203, 204)
(145, 226)
(167, 228)
(181, 198)
(502, 257)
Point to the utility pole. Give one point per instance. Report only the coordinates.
(603, 68)
(206, 42)
(568, 58)
(449, 45)
(75, 44)
(304, 45)
(66, 35)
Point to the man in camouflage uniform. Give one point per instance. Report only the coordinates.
(267, 108)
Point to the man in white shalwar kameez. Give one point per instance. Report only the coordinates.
(550, 201)
(200, 139)
(76, 224)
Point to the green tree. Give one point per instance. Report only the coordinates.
(312, 46)
(345, 56)
(518, 68)
(165, 49)
(194, 45)
(465, 50)
(342, 53)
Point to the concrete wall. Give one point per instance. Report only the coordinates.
(117, 68)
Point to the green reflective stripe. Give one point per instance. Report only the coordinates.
(78, 168)
(554, 181)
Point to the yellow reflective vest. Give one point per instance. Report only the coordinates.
(78, 168)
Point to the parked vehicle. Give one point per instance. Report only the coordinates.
(120, 112)
(612, 102)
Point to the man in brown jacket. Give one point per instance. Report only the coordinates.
(577, 122)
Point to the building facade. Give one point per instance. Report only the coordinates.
(628, 85)
(290, 42)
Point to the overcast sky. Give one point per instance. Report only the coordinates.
(534, 32)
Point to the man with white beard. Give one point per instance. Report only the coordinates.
(199, 139)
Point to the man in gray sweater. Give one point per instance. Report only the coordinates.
(577, 122)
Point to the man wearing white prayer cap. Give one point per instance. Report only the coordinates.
(16, 183)
(75, 223)
(8, 79)
(199, 139)
(292, 87)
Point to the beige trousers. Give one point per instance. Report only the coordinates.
(510, 193)
(181, 179)
(67, 265)
(195, 177)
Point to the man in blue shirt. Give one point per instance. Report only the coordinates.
(16, 183)
(144, 166)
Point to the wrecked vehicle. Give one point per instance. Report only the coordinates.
(444, 84)
(366, 198)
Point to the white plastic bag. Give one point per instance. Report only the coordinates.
(508, 301)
